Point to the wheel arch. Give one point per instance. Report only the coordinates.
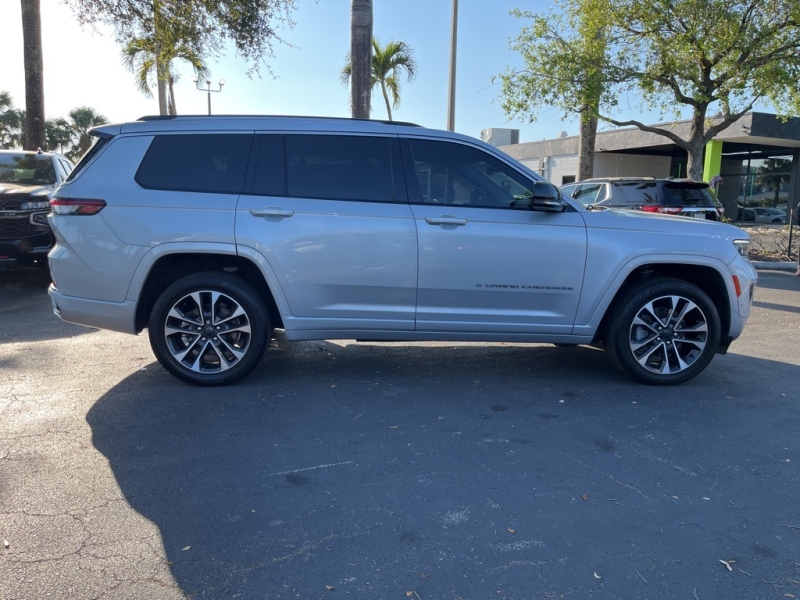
(705, 277)
(169, 267)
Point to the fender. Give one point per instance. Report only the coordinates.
(594, 309)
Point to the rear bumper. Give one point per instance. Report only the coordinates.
(116, 316)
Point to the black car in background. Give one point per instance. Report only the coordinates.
(27, 182)
(684, 197)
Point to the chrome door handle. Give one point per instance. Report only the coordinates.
(271, 211)
(445, 220)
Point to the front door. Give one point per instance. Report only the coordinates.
(487, 262)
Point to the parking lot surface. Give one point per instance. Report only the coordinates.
(366, 470)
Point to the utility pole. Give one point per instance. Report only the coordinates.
(451, 90)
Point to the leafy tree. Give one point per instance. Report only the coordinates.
(33, 132)
(205, 25)
(141, 55)
(773, 174)
(565, 55)
(388, 64)
(702, 56)
(360, 58)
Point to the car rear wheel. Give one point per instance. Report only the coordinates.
(662, 331)
(209, 328)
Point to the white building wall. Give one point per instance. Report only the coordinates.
(532, 164)
(557, 167)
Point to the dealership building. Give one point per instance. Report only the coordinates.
(757, 157)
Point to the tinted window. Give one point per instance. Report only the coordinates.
(637, 193)
(196, 163)
(270, 169)
(339, 167)
(683, 194)
(452, 173)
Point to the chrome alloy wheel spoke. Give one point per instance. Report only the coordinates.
(207, 331)
(668, 334)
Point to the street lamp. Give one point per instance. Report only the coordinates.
(208, 89)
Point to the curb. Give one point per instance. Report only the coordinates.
(765, 265)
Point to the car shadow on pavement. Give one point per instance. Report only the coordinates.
(457, 470)
(26, 313)
(778, 280)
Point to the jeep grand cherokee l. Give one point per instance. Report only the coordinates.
(213, 231)
(27, 182)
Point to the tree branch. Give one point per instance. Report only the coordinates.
(678, 140)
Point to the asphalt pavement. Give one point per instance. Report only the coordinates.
(424, 471)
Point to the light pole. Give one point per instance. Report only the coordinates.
(451, 89)
(208, 89)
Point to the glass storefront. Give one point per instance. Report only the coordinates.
(751, 181)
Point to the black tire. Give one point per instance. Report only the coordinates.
(662, 331)
(223, 345)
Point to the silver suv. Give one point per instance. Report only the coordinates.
(213, 231)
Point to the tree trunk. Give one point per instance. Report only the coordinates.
(588, 134)
(360, 58)
(696, 144)
(386, 99)
(171, 108)
(33, 136)
(162, 88)
(777, 197)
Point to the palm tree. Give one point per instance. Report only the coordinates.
(81, 120)
(360, 58)
(773, 174)
(59, 134)
(34, 135)
(388, 64)
(11, 123)
(141, 57)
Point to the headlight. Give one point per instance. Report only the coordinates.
(742, 247)
(35, 205)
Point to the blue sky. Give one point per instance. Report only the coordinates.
(83, 67)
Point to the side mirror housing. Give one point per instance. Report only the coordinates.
(546, 197)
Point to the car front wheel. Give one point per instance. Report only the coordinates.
(209, 328)
(662, 331)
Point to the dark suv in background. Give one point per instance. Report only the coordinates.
(683, 197)
(27, 182)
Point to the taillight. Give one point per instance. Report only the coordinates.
(76, 206)
(669, 210)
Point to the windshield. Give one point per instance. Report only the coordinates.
(27, 169)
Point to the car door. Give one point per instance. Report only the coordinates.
(487, 262)
(331, 216)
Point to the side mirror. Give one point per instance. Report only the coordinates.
(546, 197)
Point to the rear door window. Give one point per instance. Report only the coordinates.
(211, 163)
(342, 167)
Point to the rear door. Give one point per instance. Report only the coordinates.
(330, 214)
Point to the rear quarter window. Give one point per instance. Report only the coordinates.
(211, 163)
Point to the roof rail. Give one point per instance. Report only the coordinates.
(171, 117)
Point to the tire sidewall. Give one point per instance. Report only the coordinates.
(241, 292)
